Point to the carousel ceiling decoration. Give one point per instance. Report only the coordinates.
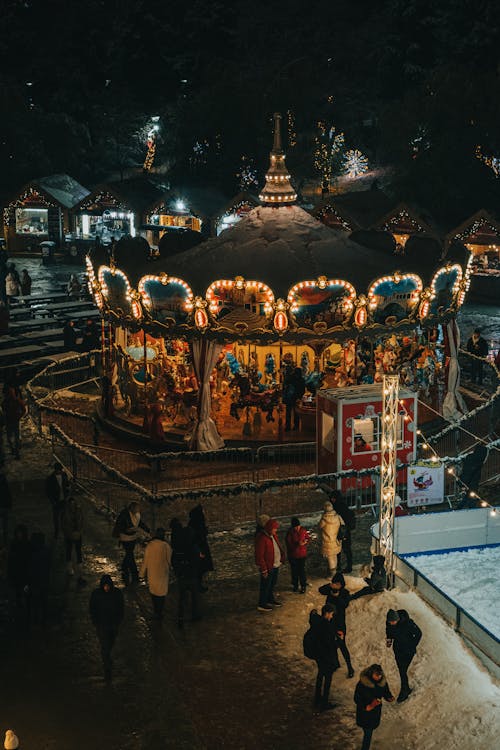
(119, 296)
(240, 304)
(166, 298)
(445, 288)
(322, 304)
(392, 299)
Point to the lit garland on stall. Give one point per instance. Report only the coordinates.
(475, 227)
(329, 209)
(355, 163)
(402, 217)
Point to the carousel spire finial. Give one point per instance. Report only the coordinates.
(277, 191)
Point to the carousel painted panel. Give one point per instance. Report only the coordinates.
(392, 299)
(445, 287)
(166, 298)
(239, 302)
(117, 291)
(327, 302)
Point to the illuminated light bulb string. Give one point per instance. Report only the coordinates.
(425, 444)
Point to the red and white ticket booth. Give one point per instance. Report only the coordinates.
(349, 431)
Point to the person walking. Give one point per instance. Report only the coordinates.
(370, 690)
(296, 540)
(106, 609)
(331, 545)
(25, 283)
(349, 518)
(156, 569)
(127, 529)
(72, 525)
(294, 387)
(377, 581)
(197, 522)
(185, 561)
(269, 555)
(403, 635)
(57, 490)
(477, 346)
(338, 597)
(325, 654)
(14, 409)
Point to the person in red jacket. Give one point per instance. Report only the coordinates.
(297, 539)
(269, 556)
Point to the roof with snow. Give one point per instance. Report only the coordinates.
(63, 188)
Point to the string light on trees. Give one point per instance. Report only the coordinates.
(151, 137)
(492, 162)
(247, 174)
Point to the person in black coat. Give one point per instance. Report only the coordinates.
(377, 582)
(198, 524)
(294, 387)
(106, 612)
(404, 636)
(347, 515)
(70, 336)
(57, 490)
(325, 649)
(185, 563)
(338, 597)
(477, 346)
(370, 690)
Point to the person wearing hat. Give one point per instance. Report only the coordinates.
(269, 555)
(11, 740)
(331, 545)
(325, 650)
(106, 609)
(404, 636)
(156, 569)
(338, 597)
(360, 445)
(377, 582)
(349, 518)
(297, 539)
(478, 347)
(370, 690)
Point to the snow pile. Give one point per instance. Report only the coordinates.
(455, 703)
(470, 578)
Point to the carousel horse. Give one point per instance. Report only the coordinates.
(244, 396)
(314, 381)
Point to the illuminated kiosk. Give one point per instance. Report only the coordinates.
(349, 431)
(207, 340)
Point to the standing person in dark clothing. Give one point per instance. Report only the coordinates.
(477, 346)
(404, 636)
(25, 282)
(57, 490)
(5, 505)
(349, 518)
(294, 387)
(18, 567)
(377, 582)
(39, 575)
(127, 528)
(106, 612)
(325, 648)
(370, 690)
(338, 597)
(198, 524)
(70, 336)
(185, 562)
(90, 336)
(297, 539)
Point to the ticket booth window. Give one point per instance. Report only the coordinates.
(367, 434)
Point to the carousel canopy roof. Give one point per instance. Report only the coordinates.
(281, 246)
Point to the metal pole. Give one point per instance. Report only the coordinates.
(388, 454)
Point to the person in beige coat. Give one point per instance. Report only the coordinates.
(156, 568)
(331, 545)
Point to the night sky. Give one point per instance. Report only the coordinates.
(414, 85)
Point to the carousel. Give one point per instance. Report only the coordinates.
(230, 341)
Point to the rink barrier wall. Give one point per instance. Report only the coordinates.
(479, 639)
(446, 530)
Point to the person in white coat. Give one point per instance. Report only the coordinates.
(156, 569)
(331, 544)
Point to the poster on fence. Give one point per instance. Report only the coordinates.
(425, 484)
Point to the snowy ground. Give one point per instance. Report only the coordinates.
(470, 578)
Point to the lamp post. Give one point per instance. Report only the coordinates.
(390, 401)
